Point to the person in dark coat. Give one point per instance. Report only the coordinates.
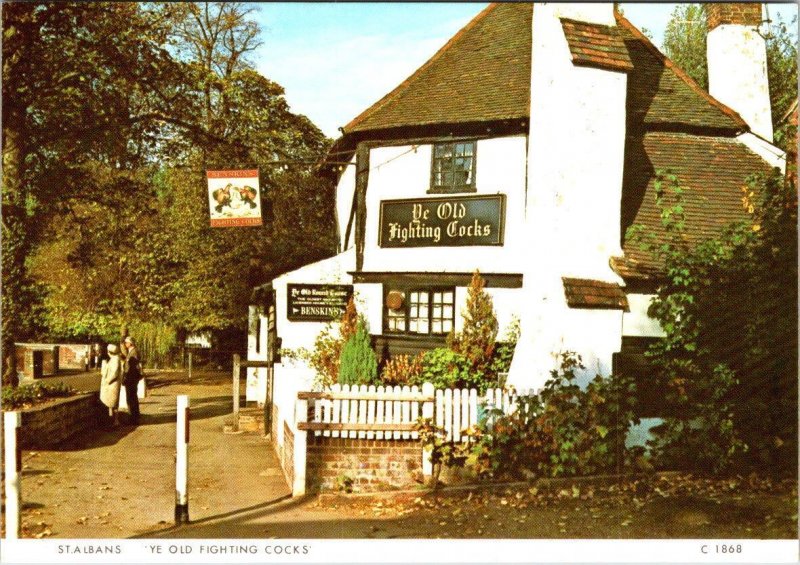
(132, 374)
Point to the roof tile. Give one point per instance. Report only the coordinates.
(588, 293)
(595, 45)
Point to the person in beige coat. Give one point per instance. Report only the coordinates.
(111, 381)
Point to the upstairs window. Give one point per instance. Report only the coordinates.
(453, 168)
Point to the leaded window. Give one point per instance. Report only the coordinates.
(424, 311)
(453, 168)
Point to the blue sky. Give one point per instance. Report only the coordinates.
(336, 59)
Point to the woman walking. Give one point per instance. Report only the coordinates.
(111, 381)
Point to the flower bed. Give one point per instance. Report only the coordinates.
(53, 421)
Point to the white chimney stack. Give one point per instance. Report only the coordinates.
(737, 63)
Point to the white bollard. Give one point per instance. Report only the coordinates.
(13, 461)
(181, 461)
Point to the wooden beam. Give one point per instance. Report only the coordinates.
(362, 180)
(355, 395)
(354, 427)
(258, 364)
(492, 280)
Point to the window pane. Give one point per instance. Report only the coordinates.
(437, 297)
(423, 311)
(437, 312)
(447, 325)
(413, 312)
(423, 326)
(447, 297)
(412, 325)
(436, 326)
(447, 312)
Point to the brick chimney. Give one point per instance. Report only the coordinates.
(737, 63)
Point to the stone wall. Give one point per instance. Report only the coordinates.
(50, 425)
(370, 464)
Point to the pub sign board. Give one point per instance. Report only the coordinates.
(317, 302)
(233, 198)
(443, 221)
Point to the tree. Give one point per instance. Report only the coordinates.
(685, 43)
(110, 119)
(728, 307)
(84, 92)
(476, 341)
(247, 124)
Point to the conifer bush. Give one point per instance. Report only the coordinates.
(358, 364)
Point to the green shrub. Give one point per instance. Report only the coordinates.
(33, 394)
(562, 431)
(444, 368)
(358, 364)
(402, 370)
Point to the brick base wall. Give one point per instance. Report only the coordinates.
(371, 464)
(288, 453)
(284, 452)
(48, 426)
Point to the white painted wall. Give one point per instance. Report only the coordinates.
(575, 165)
(637, 323)
(404, 172)
(737, 74)
(594, 334)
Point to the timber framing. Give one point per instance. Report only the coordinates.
(492, 280)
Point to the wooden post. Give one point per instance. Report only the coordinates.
(13, 463)
(300, 443)
(236, 370)
(190, 365)
(427, 412)
(362, 180)
(182, 460)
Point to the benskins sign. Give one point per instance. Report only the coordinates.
(442, 222)
(233, 198)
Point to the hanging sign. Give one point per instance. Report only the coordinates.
(442, 222)
(233, 198)
(317, 302)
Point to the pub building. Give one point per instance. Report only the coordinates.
(525, 148)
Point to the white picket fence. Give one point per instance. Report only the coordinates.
(386, 412)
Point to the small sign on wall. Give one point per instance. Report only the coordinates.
(233, 198)
(442, 222)
(317, 302)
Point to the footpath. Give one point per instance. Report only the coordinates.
(120, 482)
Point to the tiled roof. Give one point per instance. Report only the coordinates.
(588, 293)
(595, 45)
(711, 170)
(662, 96)
(482, 74)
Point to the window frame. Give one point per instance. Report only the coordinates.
(407, 290)
(454, 189)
